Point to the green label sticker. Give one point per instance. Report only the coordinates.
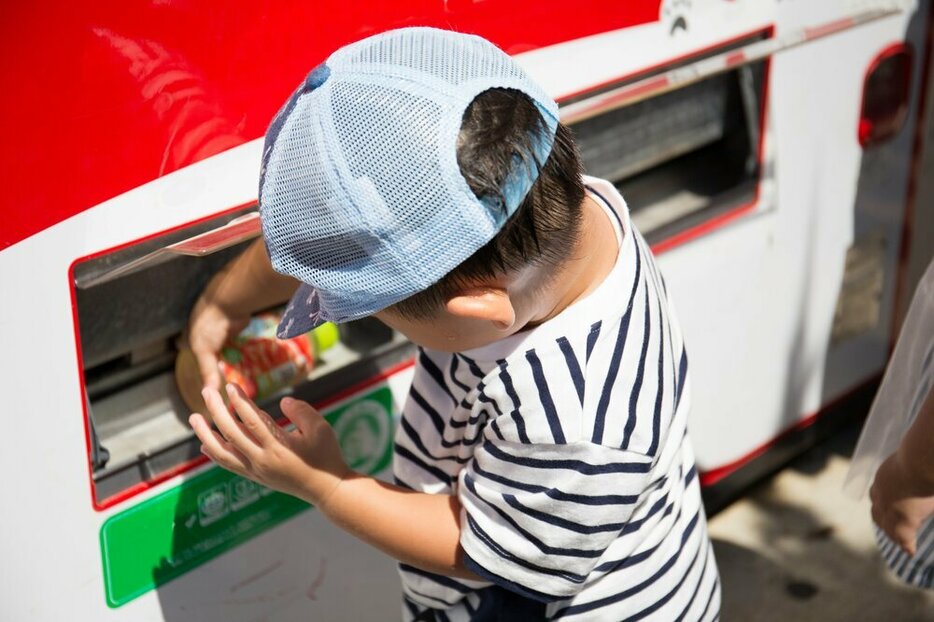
(164, 537)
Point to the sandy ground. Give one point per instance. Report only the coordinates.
(795, 548)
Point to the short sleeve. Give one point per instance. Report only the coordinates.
(536, 519)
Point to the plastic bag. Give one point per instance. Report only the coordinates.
(907, 380)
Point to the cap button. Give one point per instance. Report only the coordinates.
(317, 77)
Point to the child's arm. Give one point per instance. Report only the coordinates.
(247, 284)
(416, 528)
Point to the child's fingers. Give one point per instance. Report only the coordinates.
(258, 423)
(207, 365)
(230, 429)
(215, 447)
(300, 413)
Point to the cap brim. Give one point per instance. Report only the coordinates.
(302, 314)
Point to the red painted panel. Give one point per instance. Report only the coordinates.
(99, 98)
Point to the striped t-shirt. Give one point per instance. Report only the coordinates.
(566, 446)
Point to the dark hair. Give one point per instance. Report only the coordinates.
(499, 128)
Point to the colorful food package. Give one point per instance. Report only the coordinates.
(257, 361)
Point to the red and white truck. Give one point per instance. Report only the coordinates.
(769, 150)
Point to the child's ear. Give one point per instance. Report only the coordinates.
(489, 303)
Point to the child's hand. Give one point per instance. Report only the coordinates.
(209, 327)
(900, 503)
(305, 462)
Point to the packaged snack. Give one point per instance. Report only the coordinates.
(257, 361)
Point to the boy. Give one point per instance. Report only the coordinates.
(542, 468)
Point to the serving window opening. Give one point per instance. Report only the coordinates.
(132, 306)
(686, 156)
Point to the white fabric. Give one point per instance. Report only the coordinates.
(907, 382)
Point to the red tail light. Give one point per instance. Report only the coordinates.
(885, 95)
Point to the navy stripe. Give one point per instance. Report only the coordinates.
(580, 466)
(713, 590)
(472, 366)
(442, 580)
(511, 392)
(657, 415)
(658, 604)
(636, 525)
(494, 425)
(674, 371)
(665, 327)
(682, 375)
(468, 605)
(441, 602)
(596, 604)
(471, 420)
(690, 475)
(903, 559)
(439, 425)
(626, 562)
(436, 472)
(611, 376)
(417, 441)
(889, 548)
(539, 544)
(574, 368)
(637, 558)
(482, 396)
(522, 590)
(609, 205)
(544, 395)
(452, 371)
(922, 558)
(592, 337)
(433, 415)
(700, 581)
(640, 375)
(501, 552)
(433, 371)
(413, 609)
(653, 267)
(564, 523)
(554, 493)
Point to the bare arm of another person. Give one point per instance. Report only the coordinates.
(903, 492)
(245, 285)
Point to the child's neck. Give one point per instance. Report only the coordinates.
(591, 262)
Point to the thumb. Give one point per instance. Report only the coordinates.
(302, 414)
(210, 372)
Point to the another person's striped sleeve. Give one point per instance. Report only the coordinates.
(566, 446)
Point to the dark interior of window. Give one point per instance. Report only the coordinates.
(685, 156)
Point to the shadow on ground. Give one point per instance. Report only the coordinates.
(796, 548)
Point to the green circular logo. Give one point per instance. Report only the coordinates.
(364, 431)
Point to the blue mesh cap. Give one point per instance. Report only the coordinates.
(360, 194)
